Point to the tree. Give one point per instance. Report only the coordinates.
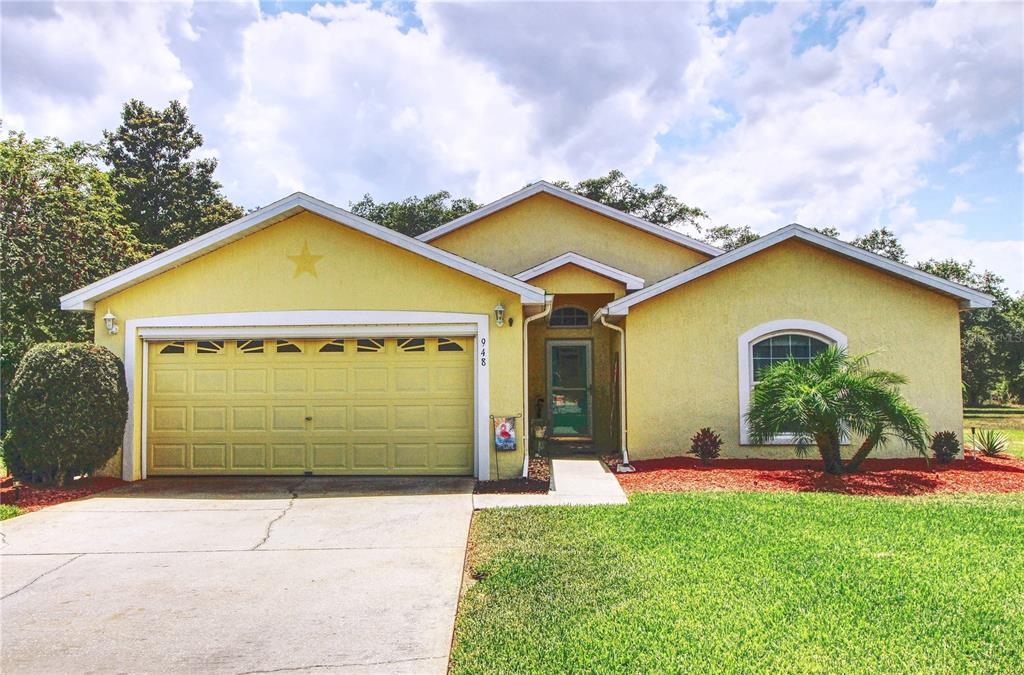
(415, 215)
(656, 205)
(61, 229)
(166, 196)
(991, 340)
(727, 238)
(829, 397)
(883, 242)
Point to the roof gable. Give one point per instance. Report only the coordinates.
(630, 281)
(86, 297)
(968, 297)
(543, 187)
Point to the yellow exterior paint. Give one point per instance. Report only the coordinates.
(356, 272)
(542, 227)
(345, 406)
(601, 339)
(682, 349)
(571, 278)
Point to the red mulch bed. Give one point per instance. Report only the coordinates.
(537, 483)
(34, 497)
(895, 477)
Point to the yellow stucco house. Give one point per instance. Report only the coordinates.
(302, 339)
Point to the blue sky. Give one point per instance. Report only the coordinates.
(854, 115)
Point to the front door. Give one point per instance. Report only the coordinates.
(569, 388)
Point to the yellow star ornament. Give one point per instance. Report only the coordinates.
(305, 261)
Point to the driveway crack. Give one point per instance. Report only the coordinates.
(273, 521)
(47, 572)
(288, 669)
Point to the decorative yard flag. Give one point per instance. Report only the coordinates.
(504, 433)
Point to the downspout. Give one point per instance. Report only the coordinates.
(526, 431)
(625, 467)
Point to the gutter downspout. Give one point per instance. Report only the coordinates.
(549, 301)
(625, 467)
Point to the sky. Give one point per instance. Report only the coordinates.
(853, 115)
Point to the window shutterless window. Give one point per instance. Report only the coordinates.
(569, 317)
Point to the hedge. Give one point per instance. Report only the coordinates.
(67, 411)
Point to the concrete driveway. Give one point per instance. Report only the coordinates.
(237, 576)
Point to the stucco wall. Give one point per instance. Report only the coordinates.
(539, 228)
(357, 272)
(682, 351)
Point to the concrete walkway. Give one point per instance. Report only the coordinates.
(318, 575)
(575, 481)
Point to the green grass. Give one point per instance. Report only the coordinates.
(9, 511)
(1007, 419)
(739, 582)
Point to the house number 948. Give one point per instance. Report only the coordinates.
(483, 351)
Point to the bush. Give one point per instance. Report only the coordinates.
(706, 444)
(991, 442)
(945, 446)
(67, 411)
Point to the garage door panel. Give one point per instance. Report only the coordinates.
(249, 456)
(288, 455)
(210, 456)
(374, 406)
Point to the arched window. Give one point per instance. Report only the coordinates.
(782, 347)
(776, 341)
(569, 317)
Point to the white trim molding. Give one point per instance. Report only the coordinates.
(815, 329)
(313, 323)
(631, 281)
(968, 297)
(85, 298)
(589, 204)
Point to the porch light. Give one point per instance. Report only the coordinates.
(110, 321)
(499, 314)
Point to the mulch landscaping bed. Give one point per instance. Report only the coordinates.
(34, 497)
(897, 477)
(537, 482)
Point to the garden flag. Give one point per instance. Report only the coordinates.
(504, 433)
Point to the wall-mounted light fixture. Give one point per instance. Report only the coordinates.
(110, 321)
(499, 314)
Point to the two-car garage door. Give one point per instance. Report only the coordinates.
(293, 406)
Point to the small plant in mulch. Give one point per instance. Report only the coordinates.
(991, 442)
(706, 444)
(945, 446)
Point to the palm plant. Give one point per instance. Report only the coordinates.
(824, 400)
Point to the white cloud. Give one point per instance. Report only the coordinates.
(960, 205)
(942, 239)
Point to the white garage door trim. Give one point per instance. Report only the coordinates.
(313, 323)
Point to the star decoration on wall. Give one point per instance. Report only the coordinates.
(305, 261)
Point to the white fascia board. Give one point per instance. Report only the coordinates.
(597, 207)
(631, 281)
(85, 298)
(968, 297)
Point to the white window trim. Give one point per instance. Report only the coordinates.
(313, 323)
(746, 362)
(582, 309)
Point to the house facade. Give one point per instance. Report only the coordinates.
(304, 340)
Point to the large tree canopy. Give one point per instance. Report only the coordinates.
(414, 215)
(165, 195)
(61, 229)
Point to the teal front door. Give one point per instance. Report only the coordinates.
(569, 390)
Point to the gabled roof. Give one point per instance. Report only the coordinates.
(631, 281)
(969, 298)
(85, 298)
(597, 207)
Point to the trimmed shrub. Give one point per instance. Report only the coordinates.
(706, 444)
(945, 446)
(67, 411)
(991, 442)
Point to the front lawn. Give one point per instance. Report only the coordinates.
(9, 511)
(712, 582)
